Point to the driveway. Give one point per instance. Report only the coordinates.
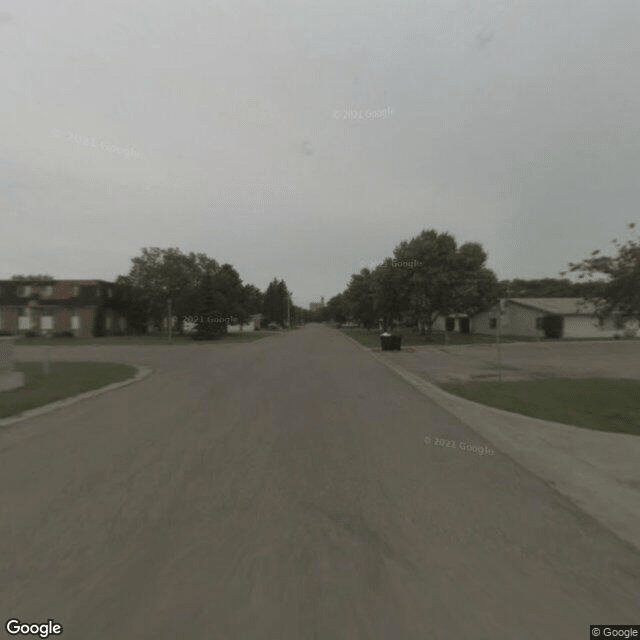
(282, 489)
(524, 361)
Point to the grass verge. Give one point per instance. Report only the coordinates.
(65, 379)
(596, 403)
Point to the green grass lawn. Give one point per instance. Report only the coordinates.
(413, 338)
(137, 340)
(64, 380)
(600, 404)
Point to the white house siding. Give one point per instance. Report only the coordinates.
(587, 327)
(521, 321)
(516, 321)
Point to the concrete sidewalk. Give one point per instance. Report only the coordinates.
(598, 471)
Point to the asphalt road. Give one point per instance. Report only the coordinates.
(282, 489)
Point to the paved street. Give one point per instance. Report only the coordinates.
(282, 489)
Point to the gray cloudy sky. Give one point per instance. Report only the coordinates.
(514, 124)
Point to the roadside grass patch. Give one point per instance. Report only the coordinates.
(601, 404)
(65, 379)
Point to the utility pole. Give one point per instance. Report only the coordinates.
(498, 341)
(289, 311)
(170, 319)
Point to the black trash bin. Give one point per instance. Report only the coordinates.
(390, 342)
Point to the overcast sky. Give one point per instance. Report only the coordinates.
(513, 124)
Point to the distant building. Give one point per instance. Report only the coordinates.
(526, 316)
(84, 307)
(315, 306)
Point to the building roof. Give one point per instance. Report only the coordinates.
(54, 281)
(559, 306)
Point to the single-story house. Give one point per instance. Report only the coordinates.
(84, 307)
(576, 318)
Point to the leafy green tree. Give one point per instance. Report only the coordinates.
(253, 299)
(131, 303)
(228, 283)
(441, 278)
(162, 274)
(284, 303)
(390, 293)
(275, 302)
(360, 300)
(213, 305)
(336, 309)
(546, 288)
(271, 303)
(617, 290)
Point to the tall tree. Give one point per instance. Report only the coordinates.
(253, 299)
(389, 285)
(360, 301)
(336, 309)
(441, 279)
(270, 303)
(159, 274)
(617, 288)
(284, 302)
(275, 302)
(211, 320)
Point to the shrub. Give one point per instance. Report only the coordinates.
(64, 334)
(31, 334)
(6, 333)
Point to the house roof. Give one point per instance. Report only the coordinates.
(55, 281)
(559, 306)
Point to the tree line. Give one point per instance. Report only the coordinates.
(193, 286)
(430, 276)
(197, 287)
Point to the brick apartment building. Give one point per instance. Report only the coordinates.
(48, 306)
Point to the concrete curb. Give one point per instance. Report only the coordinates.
(141, 373)
(573, 460)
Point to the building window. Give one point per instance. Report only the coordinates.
(108, 323)
(75, 322)
(540, 323)
(46, 323)
(24, 291)
(76, 292)
(110, 292)
(493, 323)
(48, 291)
(24, 323)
